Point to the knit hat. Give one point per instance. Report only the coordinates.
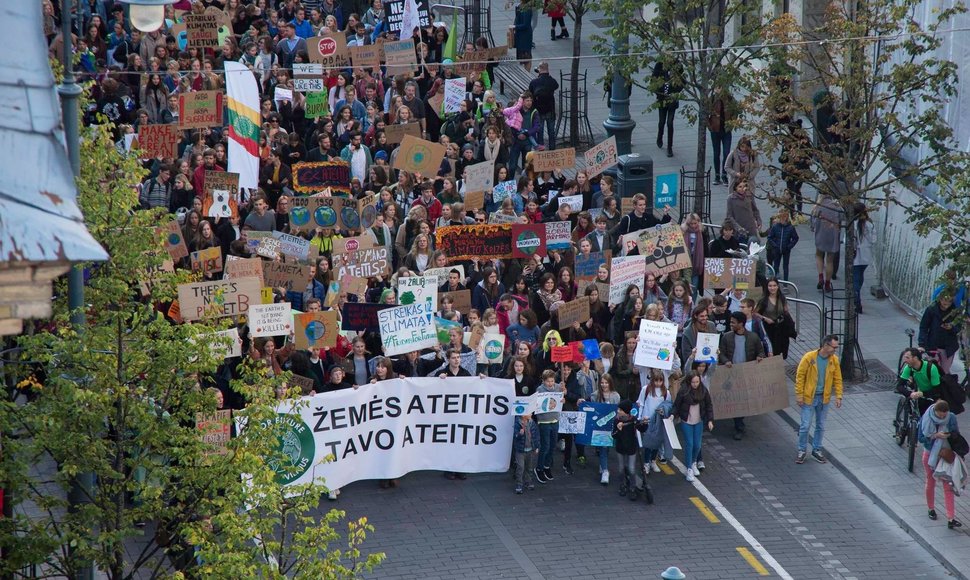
(467, 147)
(381, 155)
(626, 406)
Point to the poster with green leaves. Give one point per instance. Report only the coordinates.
(417, 289)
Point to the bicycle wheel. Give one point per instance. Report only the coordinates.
(912, 445)
(900, 423)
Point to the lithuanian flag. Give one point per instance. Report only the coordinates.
(242, 101)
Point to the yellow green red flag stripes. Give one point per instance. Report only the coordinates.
(242, 102)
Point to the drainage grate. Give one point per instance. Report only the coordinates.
(880, 379)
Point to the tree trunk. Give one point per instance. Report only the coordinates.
(574, 72)
(700, 184)
(850, 342)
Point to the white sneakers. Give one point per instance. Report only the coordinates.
(654, 467)
(696, 471)
(690, 474)
(605, 477)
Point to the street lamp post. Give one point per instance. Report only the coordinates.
(620, 124)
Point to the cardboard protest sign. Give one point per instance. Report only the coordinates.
(415, 289)
(479, 177)
(395, 133)
(407, 328)
(353, 244)
(655, 345)
(549, 402)
(360, 315)
(443, 273)
(707, 346)
(751, 388)
(729, 273)
(200, 109)
(329, 51)
(225, 343)
(462, 299)
(443, 328)
(478, 241)
(270, 319)
(367, 209)
(207, 261)
(491, 349)
(500, 217)
(316, 176)
(587, 265)
(601, 157)
(289, 275)
(474, 200)
(573, 311)
(305, 384)
(572, 422)
(472, 64)
(664, 248)
(266, 295)
(293, 246)
(367, 56)
(215, 430)
(308, 77)
(575, 202)
(598, 425)
(173, 241)
(316, 330)
(202, 30)
(316, 105)
(307, 213)
(218, 298)
(558, 235)
(399, 57)
(528, 240)
(454, 94)
(418, 155)
(363, 264)
(153, 273)
(625, 272)
(158, 141)
(268, 247)
(551, 160)
(221, 188)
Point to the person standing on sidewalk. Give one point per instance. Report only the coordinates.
(724, 112)
(935, 428)
(522, 27)
(819, 375)
(667, 89)
(543, 89)
(739, 346)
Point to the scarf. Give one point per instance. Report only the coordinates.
(550, 298)
(930, 425)
(491, 151)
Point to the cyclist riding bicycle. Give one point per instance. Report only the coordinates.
(924, 375)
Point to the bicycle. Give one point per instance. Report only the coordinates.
(907, 418)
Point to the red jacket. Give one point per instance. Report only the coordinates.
(555, 8)
(198, 179)
(434, 208)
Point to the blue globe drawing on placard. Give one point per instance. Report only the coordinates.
(174, 239)
(315, 331)
(299, 216)
(325, 217)
(348, 215)
(706, 351)
(368, 216)
(520, 409)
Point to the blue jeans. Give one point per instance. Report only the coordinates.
(820, 409)
(547, 124)
(548, 432)
(721, 142)
(692, 441)
(858, 279)
(519, 148)
(604, 454)
(777, 261)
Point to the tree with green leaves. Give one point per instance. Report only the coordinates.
(873, 92)
(705, 44)
(112, 421)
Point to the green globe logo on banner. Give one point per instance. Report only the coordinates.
(493, 349)
(528, 242)
(296, 449)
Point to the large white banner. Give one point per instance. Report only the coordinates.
(394, 427)
(655, 345)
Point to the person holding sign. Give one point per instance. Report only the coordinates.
(637, 220)
(739, 346)
(625, 441)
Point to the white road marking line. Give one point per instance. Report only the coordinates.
(729, 518)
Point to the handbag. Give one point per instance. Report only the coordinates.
(947, 455)
(958, 443)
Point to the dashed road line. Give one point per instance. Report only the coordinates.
(700, 505)
(729, 518)
(752, 561)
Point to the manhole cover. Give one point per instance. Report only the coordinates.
(880, 378)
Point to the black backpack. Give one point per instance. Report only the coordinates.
(950, 390)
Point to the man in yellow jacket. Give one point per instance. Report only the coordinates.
(819, 375)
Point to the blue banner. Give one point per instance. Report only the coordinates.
(598, 430)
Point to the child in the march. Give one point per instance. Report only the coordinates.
(734, 297)
(655, 405)
(548, 428)
(782, 238)
(605, 393)
(525, 443)
(721, 317)
(695, 410)
(627, 445)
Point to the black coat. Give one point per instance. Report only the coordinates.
(687, 397)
